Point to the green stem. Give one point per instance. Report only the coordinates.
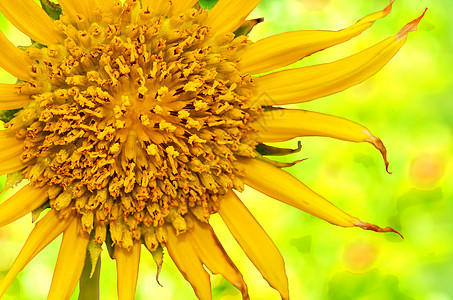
(89, 287)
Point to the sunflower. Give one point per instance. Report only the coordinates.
(131, 123)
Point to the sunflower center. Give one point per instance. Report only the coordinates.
(138, 119)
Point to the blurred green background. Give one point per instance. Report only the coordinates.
(408, 104)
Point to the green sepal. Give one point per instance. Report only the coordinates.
(277, 164)
(37, 212)
(264, 149)
(8, 115)
(94, 250)
(109, 244)
(268, 107)
(247, 26)
(52, 9)
(158, 257)
(91, 273)
(33, 45)
(13, 179)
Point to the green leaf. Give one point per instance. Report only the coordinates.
(207, 3)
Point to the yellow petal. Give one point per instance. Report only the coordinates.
(21, 203)
(284, 187)
(106, 5)
(290, 190)
(127, 263)
(286, 48)
(13, 60)
(10, 152)
(83, 8)
(12, 164)
(161, 6)
(255, 242)
(214, 256)
(305, 84)
(188, 262)
(70, 262)
(44, 232)
(31, 19)
(8, 140)
(228, 15)
(10, 97)
(158, 6)
(284, 124)
(182, 5)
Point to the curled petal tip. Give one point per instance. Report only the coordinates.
(388, 8)
(380, 146)
(377, 142)
(159, 268)
(157, 280)
(368, 226)
(287, 165)
(412, 26)
(245, 294)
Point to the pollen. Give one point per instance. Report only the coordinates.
(137, 122)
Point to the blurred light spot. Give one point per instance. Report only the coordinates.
(427, 169)
(359, 256)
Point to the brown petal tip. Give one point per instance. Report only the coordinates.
(245, 293)
(388, 8)
(412, 26)
(378, 144)
(368, 226)
(159, 269)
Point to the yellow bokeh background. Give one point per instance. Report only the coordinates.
(408, 105)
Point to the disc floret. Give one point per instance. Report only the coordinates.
(137, 119)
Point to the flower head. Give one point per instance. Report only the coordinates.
(134, 122)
